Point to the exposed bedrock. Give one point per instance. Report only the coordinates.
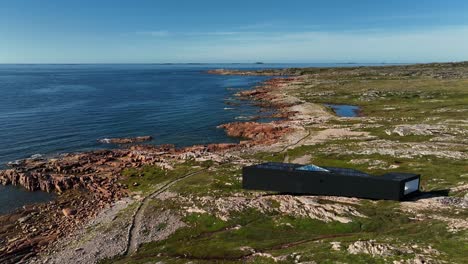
(96, 171)
(89, 171)
(258, 132)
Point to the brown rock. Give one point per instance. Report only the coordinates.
(258, 132)
(68, 212)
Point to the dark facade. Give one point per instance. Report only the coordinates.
(310, 179)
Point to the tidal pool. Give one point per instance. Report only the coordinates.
(12, 198)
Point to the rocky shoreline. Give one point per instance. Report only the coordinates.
(191, 189)
(89, 182)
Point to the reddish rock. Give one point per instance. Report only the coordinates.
(258, 132)
(221, 147)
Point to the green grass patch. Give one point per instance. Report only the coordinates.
(146, 178)
(220, 181)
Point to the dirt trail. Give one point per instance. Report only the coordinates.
(135, 226)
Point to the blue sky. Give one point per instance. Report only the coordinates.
(152, 31)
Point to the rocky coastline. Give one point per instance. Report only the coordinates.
(89, 182)
(413, 120)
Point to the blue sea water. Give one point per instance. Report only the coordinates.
(51, 109)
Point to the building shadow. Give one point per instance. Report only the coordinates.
(412, 197)
(425, 195)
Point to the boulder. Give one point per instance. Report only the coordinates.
(68, 212)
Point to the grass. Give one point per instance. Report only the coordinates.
(147, 178)
(144, 179)
(220, 181)
(209, 239)
(388, 96)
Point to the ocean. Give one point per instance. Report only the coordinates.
(52, 109)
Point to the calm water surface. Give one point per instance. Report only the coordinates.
(344, 110)
(14, 197)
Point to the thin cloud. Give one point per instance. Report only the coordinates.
(256, 26)
(436, 44)
(213, 33)
(157, 33)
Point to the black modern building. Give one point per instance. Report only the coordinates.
(311, 179)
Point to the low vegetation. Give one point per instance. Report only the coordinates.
(429, 101)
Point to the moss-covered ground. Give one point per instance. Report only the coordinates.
(387, 97)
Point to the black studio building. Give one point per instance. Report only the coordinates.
(314, 180)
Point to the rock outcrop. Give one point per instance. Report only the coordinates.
(261, 133)
(375, 249)
(95, 171)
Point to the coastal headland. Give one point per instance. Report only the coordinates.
(145, 203)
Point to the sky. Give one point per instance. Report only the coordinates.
(178, 31)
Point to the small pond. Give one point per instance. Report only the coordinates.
(344, 110)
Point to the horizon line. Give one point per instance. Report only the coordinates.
(206, 63)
